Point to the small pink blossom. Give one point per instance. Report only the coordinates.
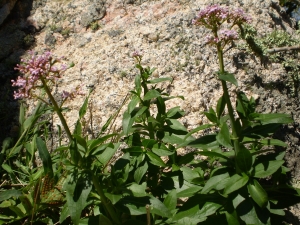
(137, 53)
(238, 16)
(223, 37)
(215, 15)
(33, 69)
(212, 16)
(227, 35)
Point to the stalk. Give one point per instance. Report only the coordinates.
(147, 103)
(228, 102)
(57, 109)
(107, 204)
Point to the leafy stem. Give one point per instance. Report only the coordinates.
(104, 200)
(57, 109)
(228, 102)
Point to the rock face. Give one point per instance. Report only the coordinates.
(5, 8)
(98, 36)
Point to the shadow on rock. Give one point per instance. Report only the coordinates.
(16, 37)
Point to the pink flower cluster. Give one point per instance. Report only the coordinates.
(137, 53)
(224, 36)
(38, 66)
(214, 15)
(77, 91)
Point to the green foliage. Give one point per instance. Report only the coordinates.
(94, 25)
(277, 38)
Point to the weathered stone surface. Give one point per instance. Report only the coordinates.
(5, 8)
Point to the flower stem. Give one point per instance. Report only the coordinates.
(147, 103)
(57, 109)
(106, 203)
(228, 102)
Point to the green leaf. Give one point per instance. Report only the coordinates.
(158, 208)
(244, 159)
(77, 189)
(171, 200)
(4, 195)
(137, 82)
(279, 212)
(138, 190)
(140, 172)
(232, 218)
(45, 156)
(221, 106)
(133, 205)
(75, 154)
(202, 127)
(272, 118)
(81, 141)
(186, 159)
(94, 220)
(13, 151)
(175, 124)
(30, 121)
(175, 113)
(258, 194)
(211, 115)
(213, 182)
(92, 144)
(22, 115)
(83, 108)
(9, 170)
(234, 183)
(250, 213)
(158, 80)
(192, 175)
(161, 106)
(205, 142)
(208, 209)
(151, 94)
(148, 143)
(267, 168)
(113, 198)
(78, 128)
(155, 160)
(228, 77)
(189, 192)
(103, 220)
(127, 122)
(271, 142)
(109, 152)
(172, 138)
(64, 213)
(223, 137)
(188, 217)
(19, 210)
(132, 104)
(162, 152)
(213, 154)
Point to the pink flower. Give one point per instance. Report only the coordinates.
(137, 53)
(33, 69)
(223, 36)
(214, 15)
(238, 16)
(227, 35)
